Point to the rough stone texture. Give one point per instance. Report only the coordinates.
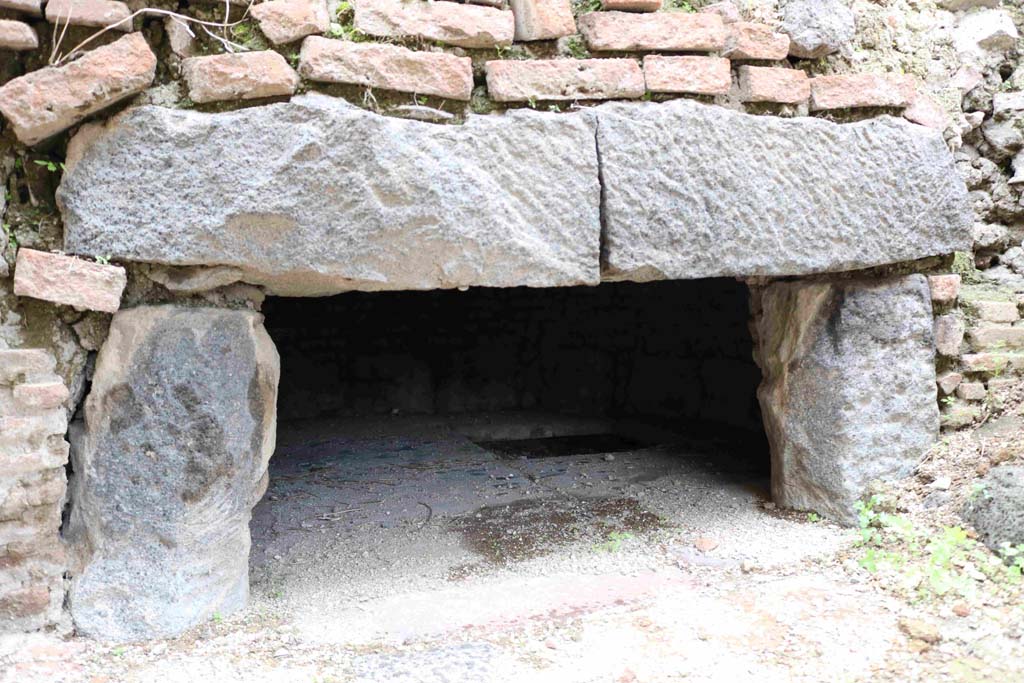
(240, 76)
(817, 27)
(849, 91)
(971, 391)
(69, 281)
(948, 382)
(542, 19)
(182, 43)
(98, 13)
(979, 34)
(447, 22)
(750, 40)
(997, 511)
(995, 337)
(949, 334)
(390, 67)
(564, 79)
(631, 5)
(848, 395)
(318, 196)
(945, 288)
(925, 111)
(45, 102)
(32, 7)
(622, 31)
(285, 21)
(994, 311)
(688, 74)
(17, 36)
(722, 193)
(191, 394)
(963, 5)
(771, 84)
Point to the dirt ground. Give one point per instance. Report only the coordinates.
(411, 549)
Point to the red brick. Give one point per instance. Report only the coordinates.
(99, 13)
(850, 91)
(240, 76)
(564, 79)
(945, 288)
(67, 280)
(749, 40)
(285, 21)
(658, 31)
(688, 74)
(542, 19)
(770, 84)
(447, 22)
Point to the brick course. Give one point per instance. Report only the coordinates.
(622, 31)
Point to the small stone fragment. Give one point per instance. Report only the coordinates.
(817, 28)
(750, 40)
(688, 74)
(630, 5)
(100, 13)
(285, 21)
(623, 31)
(961, 609)
(925, 111)
(390, 67)
(849, 91)
(771, 84)
(17, 36)
(971, 391)
(945, 288)
(447, 22)
(705, 544)
(49, 100)
(564, 79)
(239, 76)
(949, 334)
(921, 630)
(68, 280)
(542, 19)
(948, 382)
(181, 41)
(728, 11)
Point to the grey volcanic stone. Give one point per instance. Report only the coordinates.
(997, 510)
(316, 196)
(179, 427)
(693, 190)
(848, 395)
(817, 27)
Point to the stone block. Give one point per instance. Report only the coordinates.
(285, 21)
(30, 7)
(771, 84)
(240, 76)
(997, 514)
(849, 91)
(17, 364)
(688, 74)
(960, 415)
(971, 391)
(44, 102)
(945, 288)
(750, 40)
(98, 13)
(23, 601)
(164, 548)
(623, 31)
(41, 395)
(542, 19)
(848, 394)
(994, 337)
(948, 382)
(996, 363)
(447, 22)
(17, 36)
(994, 311)
(925, 111)
(70, 281)
(346, 199)
(389, 67)
(883, 191)
(564, 79)
(949, 334)
(631, 5)
(817, 28)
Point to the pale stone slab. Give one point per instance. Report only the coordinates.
(69, 281)
(285, 21)
(564, 79)
(99, 13)
(542, 19)
(848, 91)
(447, 22)
(750, 40)
(623, 31)
(317, 196)
(772, 84)
(179, 427)
(693, 190)
(390, 67)
(848, 395)
(688, 74)
(17, 36)
(240, 76)
(44, 102)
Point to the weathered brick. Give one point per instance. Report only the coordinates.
(32, 7)
(41, 395)
(446, 22)
(949, 334)
(994, 311)
(658, 31)
(631, 5)
(390, 67)
(240, 76)
(182, 43)
(945, 288)
(993, 337)
(17, 36)
(45, 456)
(993, 362)
(925, 111)
(948, 382)
(542, 19)
(98, 13)
(16, 364)
(23, 602)
(849, 91)
(68, 280)
(688, 74)
(770, 84)
(971, 391)
(49, 100)
(564, 79)
(285, 21)
(749, 40)
(960, 415)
